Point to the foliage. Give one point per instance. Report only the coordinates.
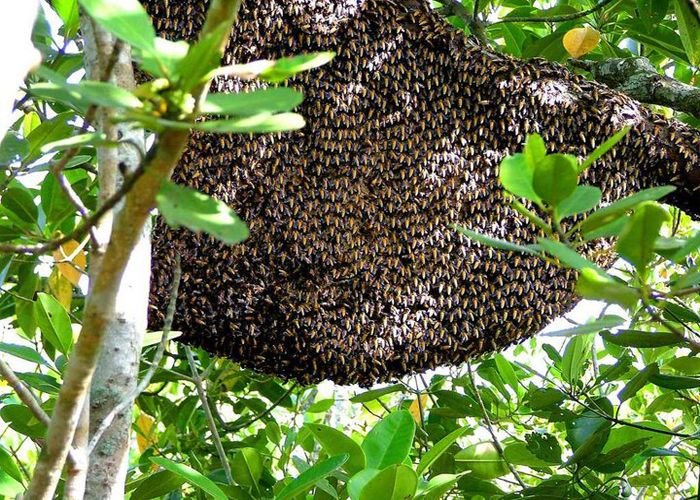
(600, 409)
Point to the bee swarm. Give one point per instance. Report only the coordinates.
(352, 272)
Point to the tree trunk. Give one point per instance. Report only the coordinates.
(116, 376)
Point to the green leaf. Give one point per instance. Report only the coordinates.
(622, 435)
(588, 433)
(535, 150)
(596, 286)
(483, 460)
(200, 60)
(335, 442)
(577, 353)
(545, 397)
(247, 467)
(13, 148)
(272, 100)
(566, 255)
(516, 176)
(507, 373)
(397, 482)
(262, 123)
(583, 199)
(555, 178)
(311, 476)
(493, 242)
(607, 321)
(640, 379)
(9, 487)
(689, 29)
(183, 206)
(689, 246)
(439, 448)
(604, 148)
(20, 202)
(519, 454)
(126, 19)
(438, 486)
(373, 394)
(642, 339)
(636, 241)
(54, 202)
(156, 485)
(687, 365)
(86, 93)
(76, 141)
(674, 382)
(609, 214)
(191, 476)
(7, 464)
(54, 322)
(390, 441)
(544, 446)
(359, 481)
(617, 458)
(24, 352)
(69, 14)
(164, 60)
(50, 130)
(285, 68)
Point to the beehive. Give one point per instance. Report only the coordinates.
(351, 272)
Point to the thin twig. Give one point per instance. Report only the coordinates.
(603, 414)
(155, 363)
(489, 427)
(25, 395)
(262, 414)
(199, 384)
(554, 19)
(90, 222)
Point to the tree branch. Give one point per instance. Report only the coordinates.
(637, 77)
(101, 301)
(489, 427)
(555, 19)
(24, 394)
(201, 391)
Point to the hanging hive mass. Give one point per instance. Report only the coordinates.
(351, 272)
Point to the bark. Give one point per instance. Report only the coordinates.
(119, 356)
(637, 77)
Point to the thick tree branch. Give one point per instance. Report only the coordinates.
(555, 19)
(638, 78)
(102, 300)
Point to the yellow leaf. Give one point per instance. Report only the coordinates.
(145, 435)
(70, 259)
(61, 288)
(580, 41)
(415, 408)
